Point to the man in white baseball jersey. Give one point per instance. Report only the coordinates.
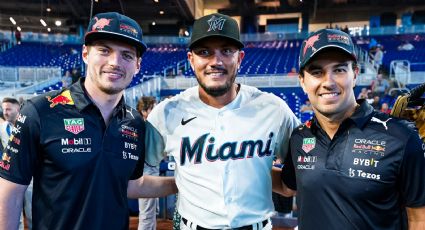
(222, 135)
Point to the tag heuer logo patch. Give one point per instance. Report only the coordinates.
(309, 144)
(74, 125)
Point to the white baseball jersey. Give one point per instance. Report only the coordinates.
(223, 156)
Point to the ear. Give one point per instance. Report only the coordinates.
(301, 79)
(85, 54)
(138, 65)
(190, 58)
(240, 57)
(356, 73)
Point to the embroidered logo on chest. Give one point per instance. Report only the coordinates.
(308, 144)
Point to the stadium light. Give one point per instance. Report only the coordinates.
(18, 28)
(161, 12)
(156, 0)
(12, 20)
(48, 9)
(48, 29)
(43, 22)
(153, 23)
(58, 23)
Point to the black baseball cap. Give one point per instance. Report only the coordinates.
(115, 26)
(215, 25)
(322, 39)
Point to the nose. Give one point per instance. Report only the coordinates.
(329, 80)
(217, 58)
(114, 59)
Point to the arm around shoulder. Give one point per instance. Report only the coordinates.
(11, 200)
(151, 186)
(278, 185)
(416, 218)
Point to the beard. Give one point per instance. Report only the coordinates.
(111, 91)
(217, 91)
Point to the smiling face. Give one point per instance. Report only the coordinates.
(215, 62)
(111, 65)
(329, 79)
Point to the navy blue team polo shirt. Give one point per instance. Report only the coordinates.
(361, 179)
(81, 167)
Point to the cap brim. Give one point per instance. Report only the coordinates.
(353, 55)
(239, 44)
(98, 35)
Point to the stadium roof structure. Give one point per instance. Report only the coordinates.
(175, 13)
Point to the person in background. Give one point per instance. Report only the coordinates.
(293, 72)
(67, 79)
(376, 103)
(306, 107)
(75, 75)
(406, 46)
(380, 86)
(148, 207)
(378, 57)
(18, 37)
(10, 108)
(363, 94)
(385, 109)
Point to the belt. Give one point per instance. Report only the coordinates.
(247, 227)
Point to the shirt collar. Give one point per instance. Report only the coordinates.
(362, 114)
(82, 100)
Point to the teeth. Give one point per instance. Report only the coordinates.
(215, 74)
(329, 95)
(115, 74)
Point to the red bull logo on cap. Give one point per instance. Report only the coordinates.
(310, 43)
(64, 99)
(100, 23)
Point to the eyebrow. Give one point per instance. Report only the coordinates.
(121, 51)
(223, 46)
(312, 66)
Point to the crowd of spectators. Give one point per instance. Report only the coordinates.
(380, 94)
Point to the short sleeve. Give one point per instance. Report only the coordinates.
(138, 171)
(412, 173)
(289, 123)
(155, 137)
(288, 172)
(20, 155)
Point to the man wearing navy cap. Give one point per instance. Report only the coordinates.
(83, 145)
(355, 168)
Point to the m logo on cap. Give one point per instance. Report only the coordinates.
(100, 23)
(310, 43)
(216, 23)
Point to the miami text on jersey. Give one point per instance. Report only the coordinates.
(225, 152)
